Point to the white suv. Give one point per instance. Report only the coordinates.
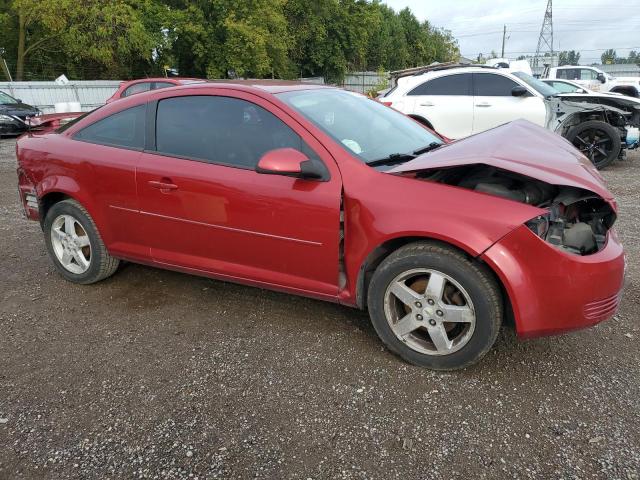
(457, 101)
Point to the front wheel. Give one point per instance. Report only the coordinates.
(435, 308)
(597, 140)
(75, 246)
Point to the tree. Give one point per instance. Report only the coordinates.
(570, 57)
(105, 33)
(608, 57)
(215, 38)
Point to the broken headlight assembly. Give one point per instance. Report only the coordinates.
(577, 222)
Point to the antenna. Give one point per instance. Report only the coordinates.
(545, 42)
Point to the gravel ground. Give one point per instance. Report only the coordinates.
(155, 374)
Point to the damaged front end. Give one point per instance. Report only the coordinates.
(565, 112)
(576, 220)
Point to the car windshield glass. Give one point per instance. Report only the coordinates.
(365, 128)
(6, 99)
(539, 85)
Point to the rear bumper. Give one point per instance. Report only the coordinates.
(552, 291)
(28, 196)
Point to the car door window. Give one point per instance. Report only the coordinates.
(123, 129)
(222, 130)
(492, 85)
(137, 88)
(568, 73)
(459, 84)
(588, 74)
(564, 87)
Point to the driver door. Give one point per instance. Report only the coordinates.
(206, 209)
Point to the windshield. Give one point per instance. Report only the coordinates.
(539, 85)
(6, 99)
(365, 128)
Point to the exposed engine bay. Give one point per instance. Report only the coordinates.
(577, 220)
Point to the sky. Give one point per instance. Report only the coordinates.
(589, 26)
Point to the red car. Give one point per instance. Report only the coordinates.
(132, 87)
(324, 193)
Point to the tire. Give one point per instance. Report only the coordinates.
(597, 140)
(90, 262)
(477, 296)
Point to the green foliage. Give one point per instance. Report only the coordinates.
(608, 56)
(570, 57)
(215, 38)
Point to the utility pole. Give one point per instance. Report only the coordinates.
(504, 37)
(545, 41)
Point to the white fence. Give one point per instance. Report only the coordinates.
(44, 95)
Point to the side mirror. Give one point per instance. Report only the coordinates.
(18, 100)
(290, 163)
(519, 91)
(602, 78)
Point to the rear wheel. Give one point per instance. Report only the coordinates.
(435, 308)
(75, 246)
(597, 140)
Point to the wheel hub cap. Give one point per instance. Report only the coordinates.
(429, 311)
(71, 244)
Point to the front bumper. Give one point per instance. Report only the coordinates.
(552, 291)
(12, 128)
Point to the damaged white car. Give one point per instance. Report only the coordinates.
(460, 100)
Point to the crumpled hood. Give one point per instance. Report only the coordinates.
(520, 147)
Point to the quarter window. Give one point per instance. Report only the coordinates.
(222, 130)
(122, 129)
(492, 85)
(459, 84)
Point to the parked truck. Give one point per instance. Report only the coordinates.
(595, 79)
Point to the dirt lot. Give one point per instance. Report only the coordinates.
(154, 374)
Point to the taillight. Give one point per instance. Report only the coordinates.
(387, 103)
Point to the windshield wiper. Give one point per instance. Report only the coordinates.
(428, 148)
(392, 159)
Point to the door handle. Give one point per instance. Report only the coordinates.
(164, 185)
(483, 104)
(426, 104)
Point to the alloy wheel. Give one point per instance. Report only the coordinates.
(71, 244)
(429, 311)
(595, 144)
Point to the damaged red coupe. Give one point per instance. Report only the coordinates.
(320, 192)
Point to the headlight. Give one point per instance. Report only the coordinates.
(6, 119)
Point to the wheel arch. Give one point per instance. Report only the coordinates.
(626, 90)
(49, 199)
(382, 251)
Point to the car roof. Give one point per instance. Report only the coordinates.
(418, 78)
(162, 79)
(265, 85)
